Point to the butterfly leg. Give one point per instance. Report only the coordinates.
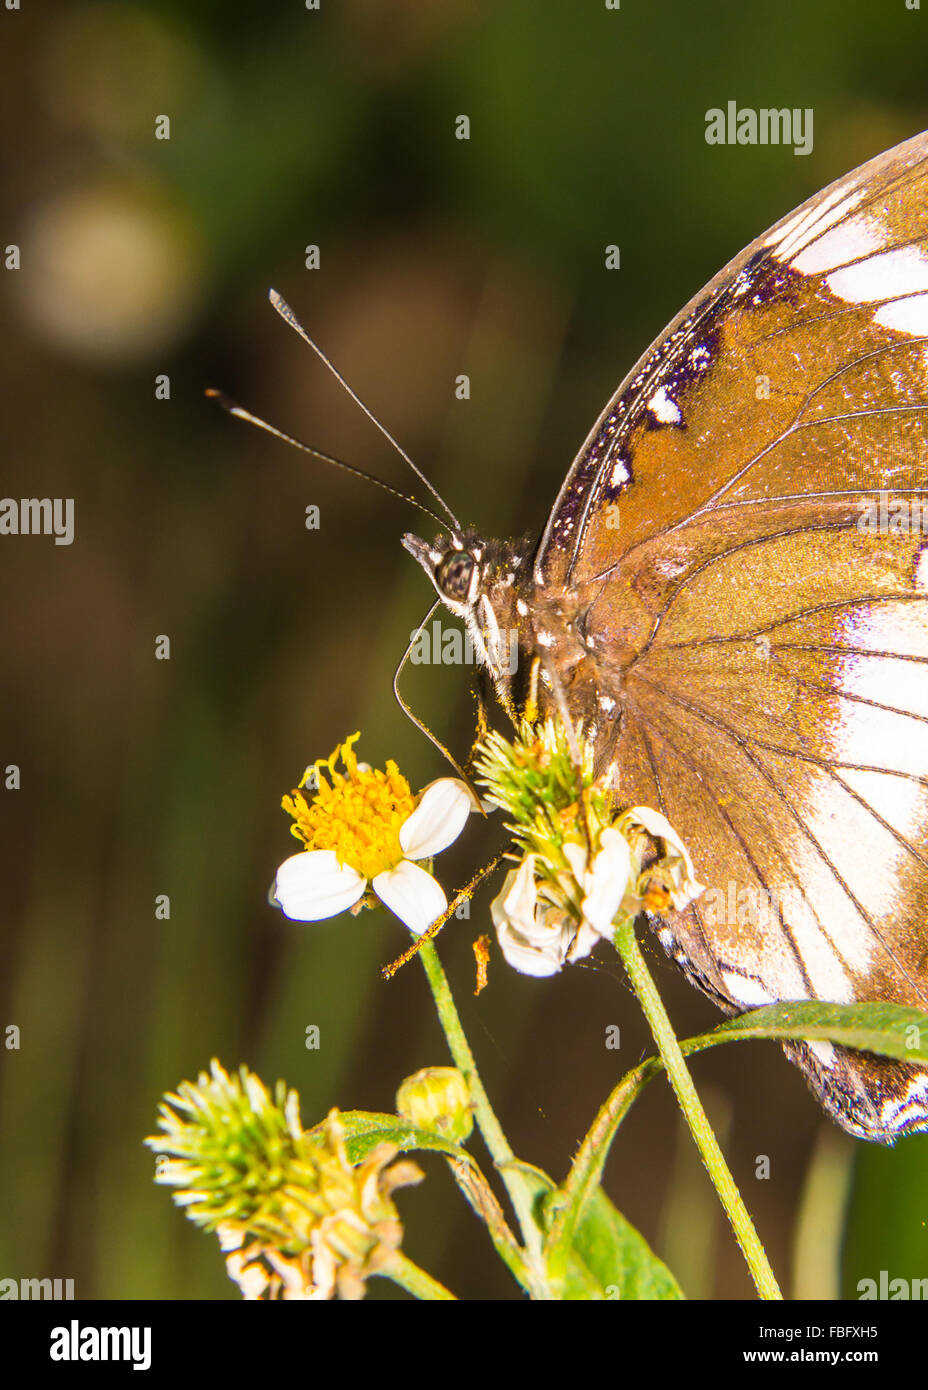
(414, 718)
(481, 726)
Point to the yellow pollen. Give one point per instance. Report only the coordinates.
(356, 813)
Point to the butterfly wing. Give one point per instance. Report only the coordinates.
(747, 527)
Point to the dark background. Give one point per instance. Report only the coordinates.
(142, 777)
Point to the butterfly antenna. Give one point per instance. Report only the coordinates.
(423, 728)
(242, 414)
(287, 314)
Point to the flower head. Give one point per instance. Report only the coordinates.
(362, 826)
(583, 867)
(295, 1218)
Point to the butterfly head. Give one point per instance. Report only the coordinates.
(478, 580)
(527, 638)
(454, 564)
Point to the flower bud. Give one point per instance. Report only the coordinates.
(437, 1099)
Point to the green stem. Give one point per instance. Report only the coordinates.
(483, 1201)
(409, 1276)
(450, 1019)
(627, 946)
(500, 1151)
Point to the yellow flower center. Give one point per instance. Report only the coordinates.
(357, 813)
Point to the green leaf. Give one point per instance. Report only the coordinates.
(890, 1030)
(365, 1129)
(536, 1181)
(611, 1260)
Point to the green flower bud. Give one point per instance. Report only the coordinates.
(437, 1099)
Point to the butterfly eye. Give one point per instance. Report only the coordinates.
(453, 576)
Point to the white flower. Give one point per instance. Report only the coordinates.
(536, 936)
(581, 871)
(535, 914)
(314, 884)
(605, 884)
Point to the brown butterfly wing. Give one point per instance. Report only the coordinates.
(762, 613)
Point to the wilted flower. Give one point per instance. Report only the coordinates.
(538, 929)
(295, 1218)
(582, 866)
(365, 827)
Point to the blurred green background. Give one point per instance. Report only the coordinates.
(143, 777)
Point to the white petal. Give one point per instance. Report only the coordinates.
(685, 891)
(686, 887)
(583, 942)
(438, 819)
(518, 898)
(230, 1237)
(659, 826)
(415, 896)
(527, 958)
(576, 858)
(533, 939)
(251, 1278)
(313, 885)
(607, 882)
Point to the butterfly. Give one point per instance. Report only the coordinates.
(731, 597)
